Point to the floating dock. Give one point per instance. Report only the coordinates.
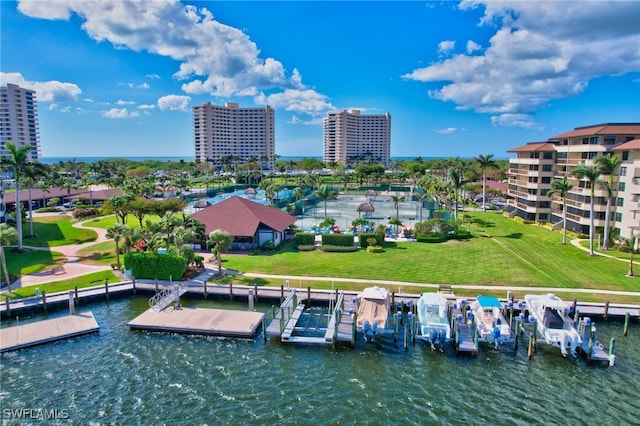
(207, 322)
(40, 332)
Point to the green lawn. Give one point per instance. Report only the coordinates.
(58, 286)
(108, 221)
(53, 231)
(99, 254)
(30, 261)
(503, 253)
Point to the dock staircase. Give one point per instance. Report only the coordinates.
(164, 298)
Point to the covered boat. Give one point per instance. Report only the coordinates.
(490, 321)
(434, 319)
(373, 312)
(553, 322)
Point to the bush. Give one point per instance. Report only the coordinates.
(84, 212)
(198, 261)
(306, 248)
(48, 210)
(441, 238)
(461, 235)
(150, 265)
(342, 240)
(363, 239)
(338, 249)
(375, 249)
(304, 238)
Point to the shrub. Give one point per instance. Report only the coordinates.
(81, 213)
(151, 266)
(342, 240)
(433, 238)
(198, 261)
(461, 235)
(375, 249)
(54, 201)
(48, 210)
(306, 248)
(304, 238)
(364, 239)
(338, 249)
(187, 253)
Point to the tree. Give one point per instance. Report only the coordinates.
(562, 188)
(630, 245)
(220, 241)
(485, 162)
(607, 164)
(17, 162)
(32, 173)
(396, 198)
(117, 232)
(325, 193)
(8, 235)
(591, 174)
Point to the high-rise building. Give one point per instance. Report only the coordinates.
(19, 119)
(350, 137)
(229, 132)
(538, 164)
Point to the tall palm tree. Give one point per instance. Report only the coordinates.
(591, 174)
(118, 232)
(607, 164)
(396, 198)
(455, 179)
(32, 173)
(221, 242)
(8, 235)
(562, 188)
(325, 193)
(485, 162)
(17, 163)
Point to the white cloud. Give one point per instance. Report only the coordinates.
(153, 76)
(446, 46)
(146, 106)
(540, 51)
(302, 101)
(121, 102)
(214, 58)
(472, 46)
(174, 103)
(120, 113)
(446, 131)
(46, 91)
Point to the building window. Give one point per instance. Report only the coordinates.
(622, 186)
(620, 202)
(625, 155)
(547, 167)
(618, 217)
(547, 155)
(544, 217)
(546, 179)
(594, 140)
(623, 171)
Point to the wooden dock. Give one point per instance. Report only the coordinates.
(207, 322)
(37, 333)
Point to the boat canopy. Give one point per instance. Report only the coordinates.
(433, 299)
(375, 293)
(489, 302)
(550, 300)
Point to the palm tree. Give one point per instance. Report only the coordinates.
(17, 163)
(562, 188)
(117, 232)
(592, 174)
(325, 193)
(485, 162)
(607, 164)
(630, 244)
(221, 242)
(32, 173)
(455, 179)
(8, 235)
(396, 198)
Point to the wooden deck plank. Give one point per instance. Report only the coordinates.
(209, 322)
(39, 332)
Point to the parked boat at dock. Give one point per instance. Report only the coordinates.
(553, 323)
(433, 317)
(373, 312)
(490, 321)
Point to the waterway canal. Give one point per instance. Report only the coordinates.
(125, 377)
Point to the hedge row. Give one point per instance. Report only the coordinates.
(362, 239)
(306, 248)
(338, 249)
(151, 266)
(304, 238)
(342, 240)
(440, 238)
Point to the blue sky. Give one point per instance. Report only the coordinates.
(459, 78)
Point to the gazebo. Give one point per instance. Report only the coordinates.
(366, 208)
(370, 194)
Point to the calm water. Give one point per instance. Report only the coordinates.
(125, 377)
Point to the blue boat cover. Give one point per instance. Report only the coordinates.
(489, 302)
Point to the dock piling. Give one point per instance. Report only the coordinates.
(264, 329)
(281, 293)
(44, 300)
(612, 352)
(72, 306)
(133, 283)
(309, 294)
(255, 292)
(106, 288)
(624, 331)
(530, 349)
(251, 302)
(606, 310)
(7, 303)
(230, 290)
(76, 300)
(205, 288)
(406, 332)
(393, 298)
(354, 328)
(156, 285)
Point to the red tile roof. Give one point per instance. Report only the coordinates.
(39, 194)
(534, 147)
(241, 217)
(601, 129)
(627, 146)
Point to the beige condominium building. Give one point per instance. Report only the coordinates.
(351, 137)
(19, 119)
(223, 133)
(538, 164)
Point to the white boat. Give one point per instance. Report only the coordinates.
(490, 321)
(373, 312)
(434, 319)
(553, 323)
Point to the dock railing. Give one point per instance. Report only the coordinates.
(165, 297)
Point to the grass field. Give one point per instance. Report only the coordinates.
(57, 286)
(503, 253)
(54, 231)
(103, 253)
(108, 221)
(31, 261)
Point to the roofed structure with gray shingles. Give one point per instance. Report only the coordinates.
(241, 217)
